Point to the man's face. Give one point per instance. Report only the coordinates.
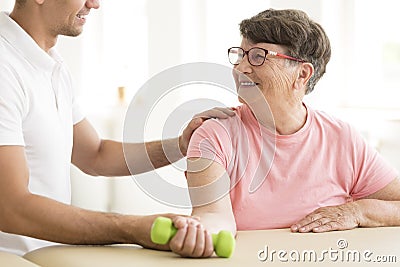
(67, 17)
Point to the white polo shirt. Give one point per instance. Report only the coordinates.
(37, 111)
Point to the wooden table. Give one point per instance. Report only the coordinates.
(358, 247)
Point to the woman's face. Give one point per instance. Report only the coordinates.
(273, 80)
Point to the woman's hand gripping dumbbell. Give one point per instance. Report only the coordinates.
(163, 230)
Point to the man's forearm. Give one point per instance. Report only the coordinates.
(46, 219)
(117, 159)
(163, 153)
(376, 213)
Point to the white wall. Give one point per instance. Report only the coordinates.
(6, 5)
(182, 31)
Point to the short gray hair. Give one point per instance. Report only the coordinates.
(293, 29)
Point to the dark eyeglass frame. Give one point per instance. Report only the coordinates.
(267, 52)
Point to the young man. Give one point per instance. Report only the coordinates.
(42, 131)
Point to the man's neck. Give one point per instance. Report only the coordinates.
(34, 26)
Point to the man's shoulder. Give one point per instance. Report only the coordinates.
(6, 67)
(6, 57)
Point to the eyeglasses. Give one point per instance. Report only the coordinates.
(255, 55)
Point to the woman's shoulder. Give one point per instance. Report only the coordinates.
(230, 124)
(330, 122)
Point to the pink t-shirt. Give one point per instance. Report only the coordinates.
(278, 179)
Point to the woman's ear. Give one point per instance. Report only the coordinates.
(306, 71)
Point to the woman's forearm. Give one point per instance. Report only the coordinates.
(215, 222)
(377, 213)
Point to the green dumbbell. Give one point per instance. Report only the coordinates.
(163, 230)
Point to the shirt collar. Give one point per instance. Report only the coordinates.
(25, 45)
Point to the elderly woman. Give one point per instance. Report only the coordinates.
(278, 163)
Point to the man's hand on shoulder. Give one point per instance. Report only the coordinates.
(197, 121)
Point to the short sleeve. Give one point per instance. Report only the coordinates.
(372, 171)
(211, 141)
(13, 107)
(77, 114)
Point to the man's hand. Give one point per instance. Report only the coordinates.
(325, 219)
(198, 119)
(191, 239)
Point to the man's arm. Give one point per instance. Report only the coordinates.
(209, 187)
(379, 209)
(95, 156)
(24, 213)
